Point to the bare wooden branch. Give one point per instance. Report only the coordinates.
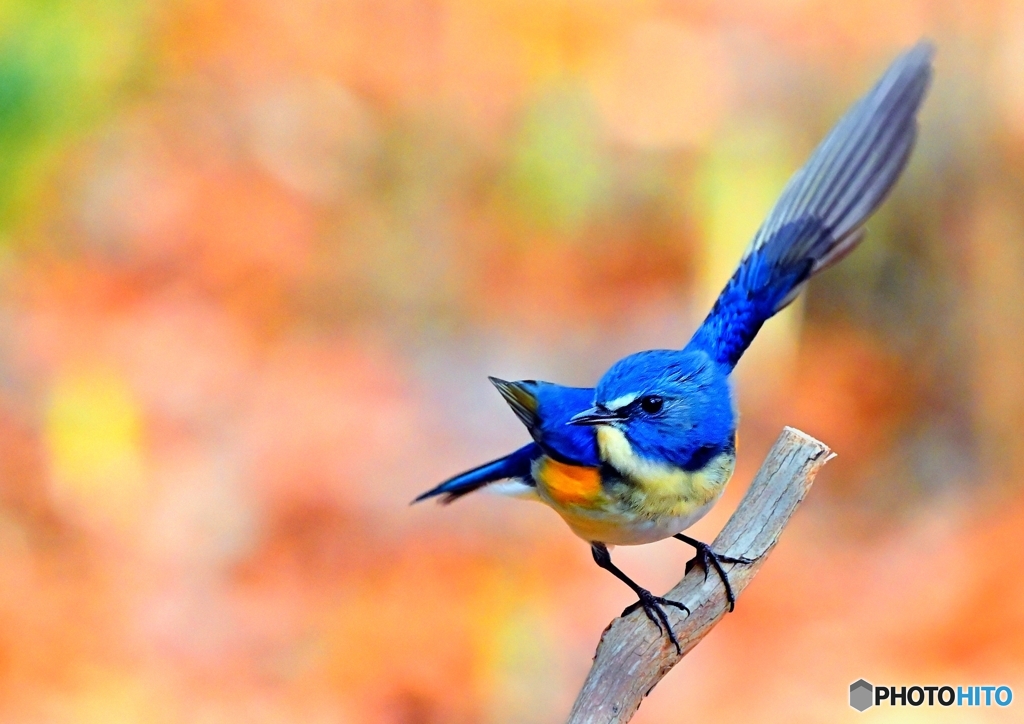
(632, 657)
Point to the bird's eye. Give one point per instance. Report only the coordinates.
(651, 404)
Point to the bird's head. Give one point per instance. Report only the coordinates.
(668, 406)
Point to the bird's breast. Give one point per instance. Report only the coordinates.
(568, 485)
(656, 488)
(629, 501)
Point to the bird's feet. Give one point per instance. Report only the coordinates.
(706, 555)
(653, 607)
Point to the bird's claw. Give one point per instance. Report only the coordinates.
(653, 608)
(706, 555)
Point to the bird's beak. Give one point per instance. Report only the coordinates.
(596, 416)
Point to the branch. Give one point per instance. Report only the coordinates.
(632, 657)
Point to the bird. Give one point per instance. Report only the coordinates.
(647, 452)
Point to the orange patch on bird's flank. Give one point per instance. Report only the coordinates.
(569, 484)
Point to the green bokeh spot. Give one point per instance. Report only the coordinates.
(558, 173)
(61, 65)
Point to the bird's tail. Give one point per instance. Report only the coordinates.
(817, 219)
(514, 466)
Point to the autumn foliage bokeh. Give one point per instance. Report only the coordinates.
(257, 259)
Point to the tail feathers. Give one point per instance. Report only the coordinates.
(515, 466)
(546, 408)
(818, 218)
(521, 398)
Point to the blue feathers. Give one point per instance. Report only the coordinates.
(546, 408)
(819, 215)
(513, 466)
(754, 294)
(665, 418)
(695, 420)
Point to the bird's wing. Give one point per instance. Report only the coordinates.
(853, 169)
(818, 218)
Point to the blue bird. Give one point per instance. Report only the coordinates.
(648, 451)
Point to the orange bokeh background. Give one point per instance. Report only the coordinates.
(257, 259)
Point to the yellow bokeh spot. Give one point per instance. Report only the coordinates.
(739, 182)
(110, 697)
(94, 435)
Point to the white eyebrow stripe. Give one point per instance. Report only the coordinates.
(619, 402)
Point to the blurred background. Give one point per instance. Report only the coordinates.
(257, 259)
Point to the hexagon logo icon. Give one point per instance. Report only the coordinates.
(861, 695)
